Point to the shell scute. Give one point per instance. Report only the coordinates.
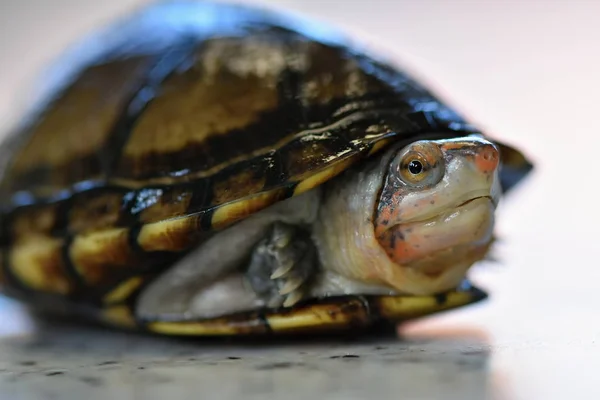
(68, 142)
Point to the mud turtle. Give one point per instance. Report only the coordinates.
(212, 169)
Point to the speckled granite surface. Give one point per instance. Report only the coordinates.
(73, 362)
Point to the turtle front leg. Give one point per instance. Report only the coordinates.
(282, 264)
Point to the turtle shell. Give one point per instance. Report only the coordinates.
(180, 121)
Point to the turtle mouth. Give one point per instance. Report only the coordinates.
(464, 203)
(436, 251)
(460, 203)
(438, 235)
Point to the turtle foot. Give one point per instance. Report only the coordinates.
(281, 265)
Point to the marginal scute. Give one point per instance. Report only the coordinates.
(238, 185)
(37, 263)
(332, 316)
(168, 204)
(123, 291)
(322, 176)
(171, 235)
(94, 211)
(380, 145)
(215, 327)
(230, 213)
(34, 221)
(400, 308)
(97, 255)
(327, 315)
(305, 158)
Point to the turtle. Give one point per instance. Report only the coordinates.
(209, 169)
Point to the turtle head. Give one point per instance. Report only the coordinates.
(435, 213)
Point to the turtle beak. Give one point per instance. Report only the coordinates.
(403, 308)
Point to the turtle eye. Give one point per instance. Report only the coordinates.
(421, 165)
(415, 167)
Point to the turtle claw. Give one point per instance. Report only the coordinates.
(281, 265)
(292, 299)
(290, 285)
(281, 271)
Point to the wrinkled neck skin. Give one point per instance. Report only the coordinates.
(343, 233)
(351, 258)
(354, 233)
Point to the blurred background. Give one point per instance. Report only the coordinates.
(527, 72)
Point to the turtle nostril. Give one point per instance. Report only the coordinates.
(489, 155)
(487, 158)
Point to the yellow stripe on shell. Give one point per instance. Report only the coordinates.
(91, 253)
(123, 291)
(170, 235)
(230, 213)
(216, 327)
(321, 317)
(323, 176)
(400, 308)
(351, 313)
(37, 263)
(380, 145)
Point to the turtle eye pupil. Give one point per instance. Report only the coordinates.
(415, 167)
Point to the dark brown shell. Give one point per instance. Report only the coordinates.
(175, 130)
